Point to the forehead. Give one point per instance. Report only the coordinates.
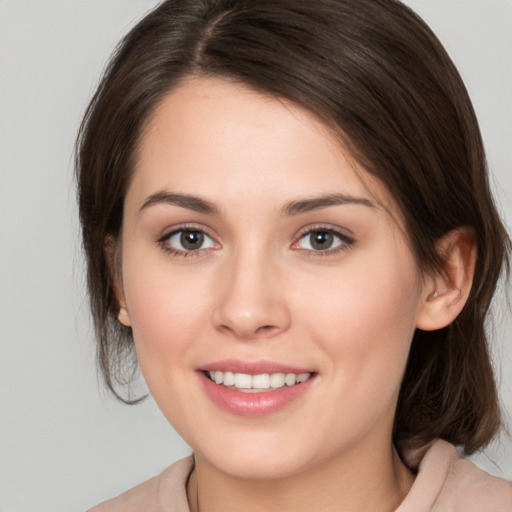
(211, 136)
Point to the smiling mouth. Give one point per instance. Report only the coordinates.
(260, 383)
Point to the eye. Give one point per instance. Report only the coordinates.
(323, 240)
(186, 241)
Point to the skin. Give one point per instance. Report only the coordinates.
(256, 290)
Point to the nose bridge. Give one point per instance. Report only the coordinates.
(251, 301)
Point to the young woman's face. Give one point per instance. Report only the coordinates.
(254, 248)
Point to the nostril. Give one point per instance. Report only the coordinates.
(249, 332)
(265, 328)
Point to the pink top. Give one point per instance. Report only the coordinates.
(445, 483)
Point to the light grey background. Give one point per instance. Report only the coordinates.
(64, 445)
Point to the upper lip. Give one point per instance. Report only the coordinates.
(252, 367)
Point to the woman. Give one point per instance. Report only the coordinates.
(288, 228)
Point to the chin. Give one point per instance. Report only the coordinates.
(261, 455)
(260, 466)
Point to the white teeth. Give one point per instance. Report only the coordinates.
(277, 380)
(303, 377)
(261, 382)
(229, 379)
(243, 381)
(290, 379)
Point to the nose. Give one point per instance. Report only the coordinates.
(251, 300)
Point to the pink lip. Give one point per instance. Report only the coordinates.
(252, 367)
(252, 404)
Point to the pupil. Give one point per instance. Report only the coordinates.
(191, 240)
(321, 240)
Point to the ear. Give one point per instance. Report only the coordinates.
(446, 293)
(112, 253)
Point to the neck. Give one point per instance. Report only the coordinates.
(371, 480)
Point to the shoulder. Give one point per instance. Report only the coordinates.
(163, 493)
(470, 489)
(445, 481)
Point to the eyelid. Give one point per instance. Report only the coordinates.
(344, 233)
(347, 241)
(170, 232)
(184, 226)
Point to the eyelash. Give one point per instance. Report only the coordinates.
(163, 242)
(345, 242)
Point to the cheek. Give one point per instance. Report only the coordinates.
(165, 307)
(167, 312)
(366, 319)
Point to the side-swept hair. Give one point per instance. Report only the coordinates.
(376, 74)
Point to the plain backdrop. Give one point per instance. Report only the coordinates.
(64, 444)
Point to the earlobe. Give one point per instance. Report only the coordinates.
(114, 266)
(124, 317)
(446, 292)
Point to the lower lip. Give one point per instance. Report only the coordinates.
(253, 404)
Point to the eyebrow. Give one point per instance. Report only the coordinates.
(308, 205)
(200, 205)
(185, 201)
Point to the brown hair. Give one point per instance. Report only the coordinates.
(373, 71)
